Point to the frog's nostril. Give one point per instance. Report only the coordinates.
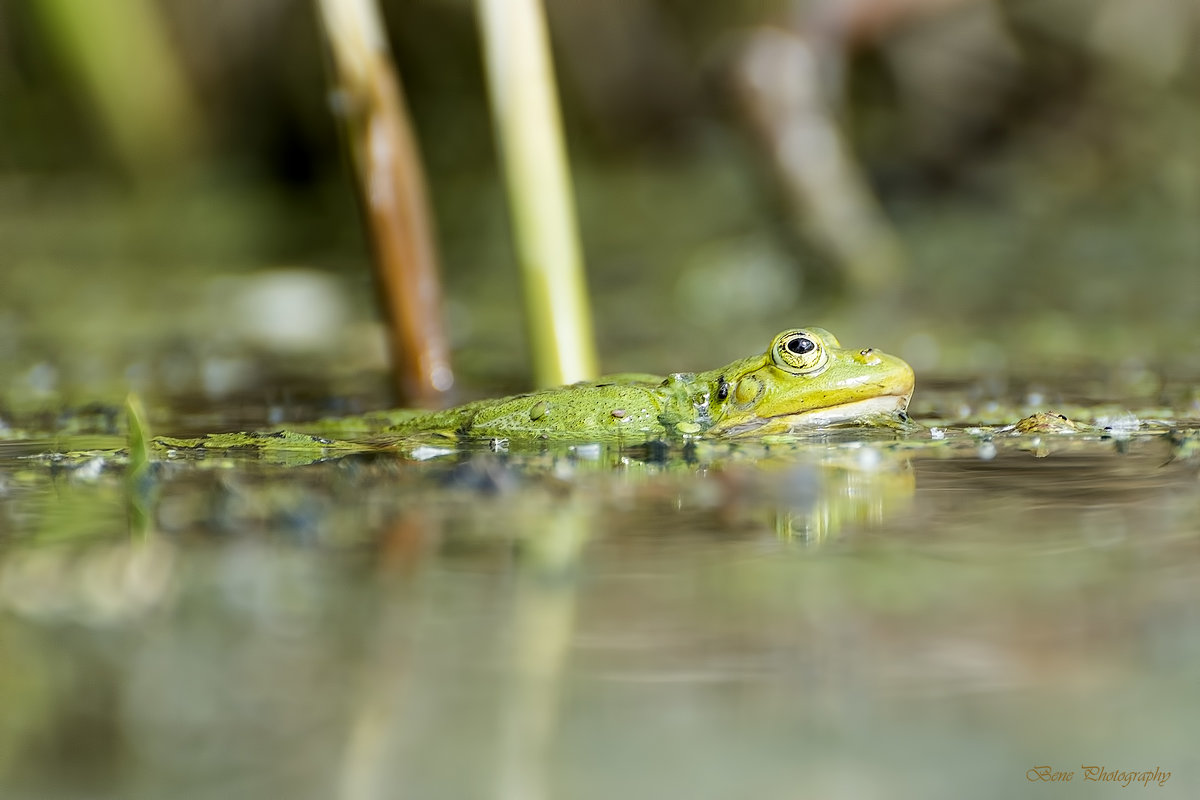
(869, 357)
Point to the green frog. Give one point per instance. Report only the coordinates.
(804, 379)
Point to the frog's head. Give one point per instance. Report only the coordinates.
(806, 378)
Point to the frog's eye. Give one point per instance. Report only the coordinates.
(800, 345)
(799, 352)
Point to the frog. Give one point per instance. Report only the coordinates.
(804, 380)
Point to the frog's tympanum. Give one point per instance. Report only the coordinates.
(804, 379)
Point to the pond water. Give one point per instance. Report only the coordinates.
(961, 612)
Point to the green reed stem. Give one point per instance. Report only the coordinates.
(525, 109)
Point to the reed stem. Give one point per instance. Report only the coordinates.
(391, 185)
(525, 110)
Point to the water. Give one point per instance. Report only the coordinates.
(850, 616)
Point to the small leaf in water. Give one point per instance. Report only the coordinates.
(139, 436)
(138, 486)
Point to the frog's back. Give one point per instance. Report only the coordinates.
(610, 408)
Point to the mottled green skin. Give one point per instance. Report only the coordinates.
(635, 406)
(758, 395)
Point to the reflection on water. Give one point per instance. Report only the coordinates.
(835, 618)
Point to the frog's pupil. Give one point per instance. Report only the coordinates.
(800, 345)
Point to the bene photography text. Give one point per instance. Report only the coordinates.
(1122, 776)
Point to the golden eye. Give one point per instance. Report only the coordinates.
(799, 352)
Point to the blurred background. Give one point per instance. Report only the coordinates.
(1006, 194)
(984, 188)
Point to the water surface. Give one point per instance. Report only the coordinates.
(849, 615)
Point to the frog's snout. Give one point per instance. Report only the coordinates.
(905, 380)
(898, 378)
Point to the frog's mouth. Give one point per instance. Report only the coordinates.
(872, 410)
(883, 409)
